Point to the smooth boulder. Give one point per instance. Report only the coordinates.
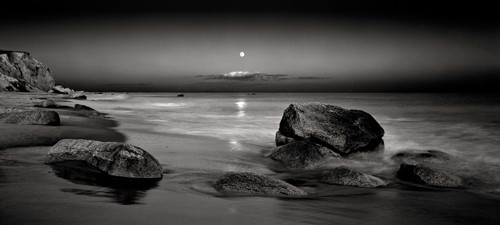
(112, 158)
(50, 118)
(255, 184)
(303, 154)
(349, 177)
(429, 176)
(342, 130)
(419, 157)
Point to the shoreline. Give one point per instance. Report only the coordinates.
(74, 125)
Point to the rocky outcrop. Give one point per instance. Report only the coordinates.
(428, 176)
(429, 156)
(31, 118)
(303, 154)
(342, 130)
(21, 72)
(112, 158)
(255, 184)
(350, 177)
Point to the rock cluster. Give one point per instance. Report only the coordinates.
(313, 132)
(112, 158)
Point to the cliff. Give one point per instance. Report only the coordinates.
(20, 72)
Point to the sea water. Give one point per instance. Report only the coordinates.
(464, 125)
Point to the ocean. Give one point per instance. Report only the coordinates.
(201, 136)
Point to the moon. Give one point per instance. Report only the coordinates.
(242, 54)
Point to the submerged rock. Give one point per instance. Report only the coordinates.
(350, 177)
(342, 130)
(21, 72)
(31, 118)
(303, 154)
(255, 184)
(428, 176)
(113, 158)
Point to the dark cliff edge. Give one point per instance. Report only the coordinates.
(20, 72)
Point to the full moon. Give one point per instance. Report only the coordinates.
(242, 54)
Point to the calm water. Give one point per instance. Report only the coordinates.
(200, 136)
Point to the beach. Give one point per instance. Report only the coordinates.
(199, 137)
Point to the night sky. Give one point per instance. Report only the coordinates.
(290, 46)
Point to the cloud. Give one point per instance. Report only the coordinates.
(253, 77)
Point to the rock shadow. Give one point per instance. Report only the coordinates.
(124, 191)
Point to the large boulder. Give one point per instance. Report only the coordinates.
(420, 157)
(27, 73)
(255, 184)
(350, 177)
(303, 154)
(31, 118)
(428, 176)
(342, 130)
(112, 158)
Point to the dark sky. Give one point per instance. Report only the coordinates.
(292, 46)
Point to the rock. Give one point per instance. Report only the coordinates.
(342, 130)
(112, 158)
(83, 107)
(47, 103)
(303, 154)
(27, 73)
(428, 176)
(31, 118)
(255, 184)
(78, 96)
(58, 89)
(429, 156)
(350, 177)
(281, 139)
(88, 111)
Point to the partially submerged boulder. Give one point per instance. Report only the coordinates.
(349, 177)
(429, 156)
(255, 184)
(88, 111)
(429, 176)
(112, 158)
(303, 154)
(342, 130)
(31, 118)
